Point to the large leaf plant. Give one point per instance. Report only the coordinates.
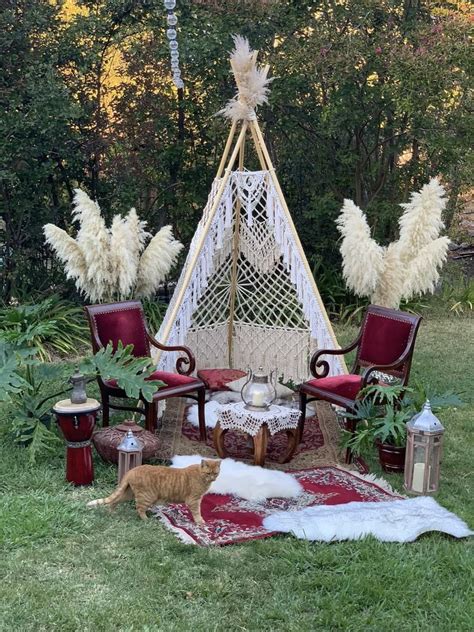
(27, 387)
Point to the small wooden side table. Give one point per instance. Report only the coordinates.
(259, 426)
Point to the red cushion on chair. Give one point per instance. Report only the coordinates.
(170, 379)
(217, 379)
(346, 386)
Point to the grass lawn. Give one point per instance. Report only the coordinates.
(63, 567)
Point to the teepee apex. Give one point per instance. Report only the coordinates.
(252, 82)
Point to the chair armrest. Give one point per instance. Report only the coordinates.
(366, 375)
(182, 361)
(316, 363)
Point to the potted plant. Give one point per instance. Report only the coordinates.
(382, 414)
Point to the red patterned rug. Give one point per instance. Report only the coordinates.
(229, 520)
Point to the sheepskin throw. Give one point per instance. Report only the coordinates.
(388, 521)
(250, 482)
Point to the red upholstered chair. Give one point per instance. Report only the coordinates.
(125, 322)
(385, 343)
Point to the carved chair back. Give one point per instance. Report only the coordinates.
(385, 336)
(114, 322)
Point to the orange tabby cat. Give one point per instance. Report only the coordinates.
(152, 484)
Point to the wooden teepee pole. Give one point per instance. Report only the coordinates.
(228, 144)
(254, 124)
(233, 272)
(190, 267)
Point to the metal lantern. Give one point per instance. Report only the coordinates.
(129, 454)
(78, 381)
(423, 453)
(259, 392)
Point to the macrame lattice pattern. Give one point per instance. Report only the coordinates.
(275, 319)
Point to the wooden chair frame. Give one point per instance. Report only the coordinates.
(320, 368)
(185, 365)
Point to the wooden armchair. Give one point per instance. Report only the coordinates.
(385, 343)
(126, 322)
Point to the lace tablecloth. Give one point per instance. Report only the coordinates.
(277, 418)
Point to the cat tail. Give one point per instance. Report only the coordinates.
(115, 497)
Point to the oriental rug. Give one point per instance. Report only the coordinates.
(319, 445)
(230, 520)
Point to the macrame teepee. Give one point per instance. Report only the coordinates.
(246, 295)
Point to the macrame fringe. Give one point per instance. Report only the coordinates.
(266, 247)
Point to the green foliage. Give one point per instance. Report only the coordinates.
(383, 411)
(155, 311)
(417, 395)
(131, 373)
(367, 116)
(51, 326)
(11, 381)
(26, 384)
(460, 297)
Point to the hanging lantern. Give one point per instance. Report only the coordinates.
(169, 4)
(129, 454)
(258, 392)
(423, 453)
(172, 19)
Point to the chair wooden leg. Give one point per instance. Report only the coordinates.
(303, 401)
(105, 410)
(351, 427)
(151, 413)
(201, 413)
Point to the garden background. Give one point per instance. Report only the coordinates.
(370, 99)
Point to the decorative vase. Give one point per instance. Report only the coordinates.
(391, 457)
(106, 441)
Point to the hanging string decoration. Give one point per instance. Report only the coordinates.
(171, 34)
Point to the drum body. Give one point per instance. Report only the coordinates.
(77, 425)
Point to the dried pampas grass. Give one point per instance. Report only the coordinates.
(158, 258)
(112, 264)
(252, 82)
(405, 268)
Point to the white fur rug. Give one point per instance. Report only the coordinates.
(391, 521)
(250, 482)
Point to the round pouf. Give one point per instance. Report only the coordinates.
(76, 422)
(106, 441)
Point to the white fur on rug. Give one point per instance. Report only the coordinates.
(250, 482)
(391, 521)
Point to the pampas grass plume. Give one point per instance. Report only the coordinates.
(407, 267)
(157, 259)
(110, 265)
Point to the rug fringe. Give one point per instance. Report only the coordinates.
(179, 533)
(373, 478)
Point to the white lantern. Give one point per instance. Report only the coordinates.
(172, 19)
(423, 453)
(169, 4)
(173, 45)
(129, 454)
(171, 34)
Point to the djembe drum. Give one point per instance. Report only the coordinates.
(77, 422)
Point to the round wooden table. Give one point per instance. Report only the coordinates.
(259, 426)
